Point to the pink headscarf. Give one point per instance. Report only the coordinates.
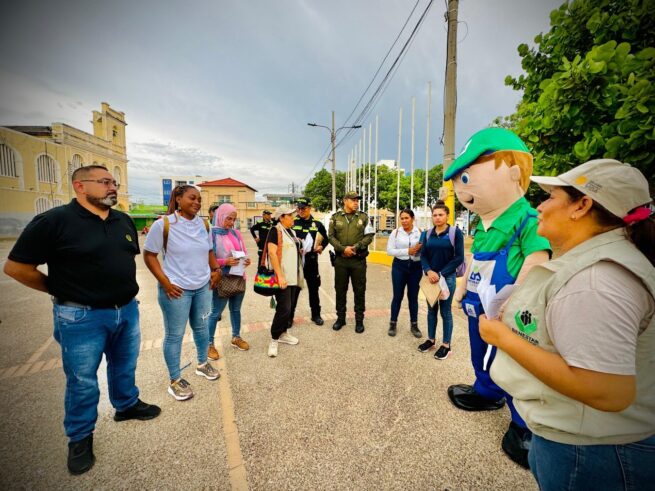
(221, 213)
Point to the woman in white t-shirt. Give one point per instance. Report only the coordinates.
(184, 282)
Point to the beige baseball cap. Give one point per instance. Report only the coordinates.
(615, 186)
(283, 210)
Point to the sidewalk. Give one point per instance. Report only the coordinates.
(338, 411)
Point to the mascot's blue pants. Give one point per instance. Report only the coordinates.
(482, 356)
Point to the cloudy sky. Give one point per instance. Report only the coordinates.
(226, 87)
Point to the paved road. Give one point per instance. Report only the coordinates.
(338, 411)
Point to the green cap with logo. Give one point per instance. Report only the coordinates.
(352, 195)
(303, 202)
(486, 141)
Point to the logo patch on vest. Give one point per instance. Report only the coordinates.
(525, 322)
(128, 237)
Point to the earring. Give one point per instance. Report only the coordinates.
(574, 218)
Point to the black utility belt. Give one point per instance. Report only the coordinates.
(68, 303)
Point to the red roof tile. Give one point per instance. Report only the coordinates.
(227, 182)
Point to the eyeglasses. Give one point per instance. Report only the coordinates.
(105, 181)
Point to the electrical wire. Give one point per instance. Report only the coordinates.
(387, 78)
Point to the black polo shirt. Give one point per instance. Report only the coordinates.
(90, 260)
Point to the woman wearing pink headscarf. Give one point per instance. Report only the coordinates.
(225, 240)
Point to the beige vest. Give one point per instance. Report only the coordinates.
(291, 260)
(548, 413)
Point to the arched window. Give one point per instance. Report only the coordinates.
(118, 175)
(42, 205)
(7, 161)
(76, 162)
(57, 202)
(47, 169)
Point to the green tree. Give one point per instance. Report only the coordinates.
(319, 189)
(588, 90)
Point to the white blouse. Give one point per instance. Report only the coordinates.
(400, 241)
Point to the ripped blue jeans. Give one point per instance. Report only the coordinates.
(193, 306)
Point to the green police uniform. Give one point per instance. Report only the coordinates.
(350, 230)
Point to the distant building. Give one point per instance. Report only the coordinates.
(36, 163)
(169, 182)
(241, 195)
(277, 199)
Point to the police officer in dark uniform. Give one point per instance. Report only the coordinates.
(260, 230)
(304, 224)
(350, 234)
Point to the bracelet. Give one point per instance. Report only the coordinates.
(215, 269)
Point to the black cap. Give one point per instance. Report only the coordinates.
(267, 212)
(303, 202)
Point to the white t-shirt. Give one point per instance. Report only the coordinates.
(186, 261)
(594, 319)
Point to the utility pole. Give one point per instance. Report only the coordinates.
(400, 132)
(333, 138)
(411, 165)
(450, 103)
(428, 219)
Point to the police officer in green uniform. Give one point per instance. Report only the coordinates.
(350, 234)
(260, 230)
(304, 224)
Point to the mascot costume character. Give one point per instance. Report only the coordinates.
(491, 177)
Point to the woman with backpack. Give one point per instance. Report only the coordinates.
(404, 245)
(226, 240)
(441, 255)
(188, 272)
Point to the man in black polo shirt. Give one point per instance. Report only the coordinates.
(304, 224)
(89, 249)
(260, 230)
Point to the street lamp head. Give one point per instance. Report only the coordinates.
(358, 126)
(312, 124)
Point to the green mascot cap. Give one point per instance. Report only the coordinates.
(486, 141)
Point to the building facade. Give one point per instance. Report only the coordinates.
(36, 163)
(242, 196)
(170, 182)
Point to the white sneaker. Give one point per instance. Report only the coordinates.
(287, 338)
(272, 348)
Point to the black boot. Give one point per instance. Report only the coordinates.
(359, 325)
(467, 398)
(392, 328)
(339, 323)
(317, 319)
(516, 444)
(415, 330)
(80, 455)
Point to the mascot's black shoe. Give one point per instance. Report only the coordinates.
(516, 444)
(465, 397)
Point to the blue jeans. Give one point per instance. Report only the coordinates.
(405, 274)
(446, 313)
(218, 305)
(193, 306)
(558, 466)
(84, 334)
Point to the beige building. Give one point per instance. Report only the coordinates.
(241, 195)
(36, 163)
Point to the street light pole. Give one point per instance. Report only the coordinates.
(333, 139)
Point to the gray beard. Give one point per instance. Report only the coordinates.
(103, 203)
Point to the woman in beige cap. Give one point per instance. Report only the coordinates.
(576, 344)
(287, 265)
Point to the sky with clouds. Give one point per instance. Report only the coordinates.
(225, 88)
